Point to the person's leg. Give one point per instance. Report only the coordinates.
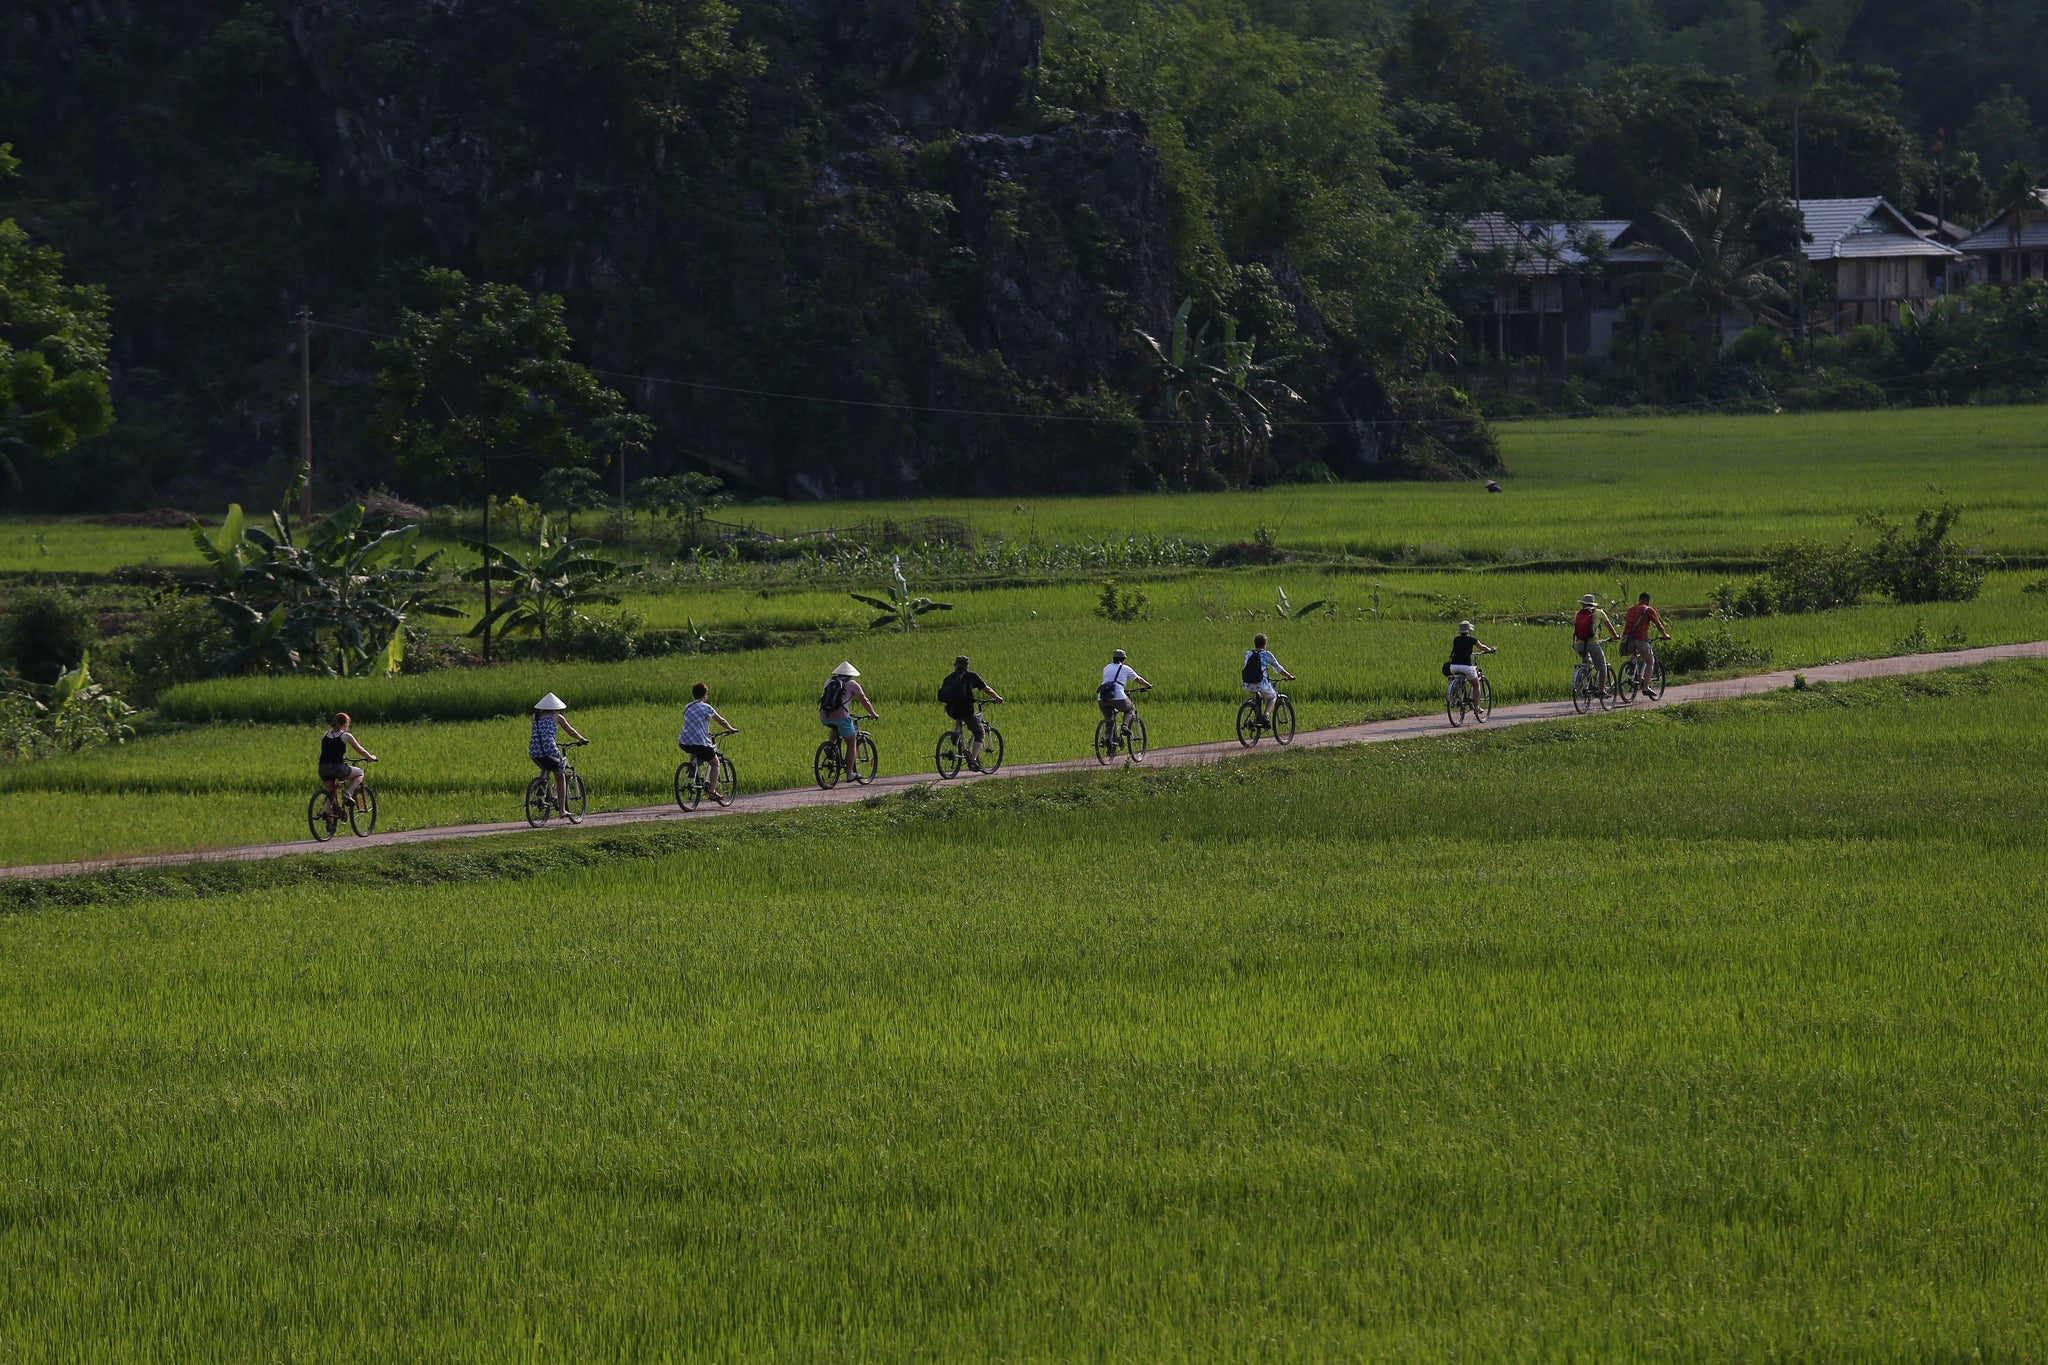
(355, 782)
(976, 735)
(333, 800)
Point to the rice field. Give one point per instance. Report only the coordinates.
(1705, 1034)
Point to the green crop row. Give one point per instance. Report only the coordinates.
(1704, 1035)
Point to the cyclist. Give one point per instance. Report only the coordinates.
(1115, 702)
(545, 749)
(334, 764)
(1635, 629)
(1463, 645)
(835, 707)
(695, 739)
(1586, 639)
(1256, 663)
(957, 692)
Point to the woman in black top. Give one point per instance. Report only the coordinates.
(1463, 646)
(334, 764)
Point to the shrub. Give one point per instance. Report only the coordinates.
(1833, 391)
(599, 639)
(178, 642)
(1309, 471)
(1806, 575)
(1712, 650)
(44, 632)
(1120, 604)
(1759, 346)
(1921, 565)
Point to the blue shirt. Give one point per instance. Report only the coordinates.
(1266, 660)
(697, 723)
(543, 744)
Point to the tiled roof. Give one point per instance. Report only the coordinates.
(1861, 228)
(1539, 249)
(1996, 235)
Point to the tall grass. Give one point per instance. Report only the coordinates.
(1702, 1035)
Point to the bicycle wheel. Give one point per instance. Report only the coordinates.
(1482, 698)
(1248, 724)
(867, 761)
(540, 800)
(1625, 684)
(728, 781)
(991, 749)
(688, 790)
(362, 816)
(578, 799)
(826, 766)
(949, 756)
(1582, 689)
(1653, 686)
(316, 818)
(1103, 751)
(1455, 703)
(1603, 692)
(1134, 739)
(1283, 720)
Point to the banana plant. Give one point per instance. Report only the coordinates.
(1286, 611)
(544, 587)
(899, 608)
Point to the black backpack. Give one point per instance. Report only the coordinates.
(1108, 688)
(954, 689)
(1254, 667)
(834, 696)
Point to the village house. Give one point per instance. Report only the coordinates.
(2000, 256)
(1548, 299)
(1874, 261)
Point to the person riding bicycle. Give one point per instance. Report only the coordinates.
(1635, 629)
(1463, 645)
(1257, 663)
(545, 749)
(835, 707)
(1112, 697)
(696, 738)
(957, 692)
(334, 764)
(1586, 639)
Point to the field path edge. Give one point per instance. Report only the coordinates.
(1371, 732)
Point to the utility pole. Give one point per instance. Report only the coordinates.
(1941, 195)
(306, 416)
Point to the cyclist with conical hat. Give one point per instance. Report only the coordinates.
(544, 746)
(835, 707)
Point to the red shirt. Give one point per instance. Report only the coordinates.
(1636, 625)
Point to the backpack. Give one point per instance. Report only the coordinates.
(1254, 668)
(834, 696)
(954, 689)
(1582, 626)
(1107, 692)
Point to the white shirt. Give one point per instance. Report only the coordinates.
(1114, 677)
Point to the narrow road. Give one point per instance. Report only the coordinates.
(1374, 732)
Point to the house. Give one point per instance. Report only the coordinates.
(1548, 299)
(1874, 260)
(1999, 256)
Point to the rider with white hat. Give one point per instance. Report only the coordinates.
(1587, 640)
(835, 707)
(545, 749)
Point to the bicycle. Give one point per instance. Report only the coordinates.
(359, 810)
(1131, 742)
(1586, 689)
(693, 779)
(1279, 722)
(1468, 696)
(954, 751)
(829, 766)
(541, 805)
(1631, 682)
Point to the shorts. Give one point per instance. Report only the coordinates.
(1641, 649)
(548, 763)
(1265, 691)
(339, 772)
(1123, 704)
(703, 753)
(844, 727)
(964, 715)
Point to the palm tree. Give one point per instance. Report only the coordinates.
(1215, 393)
(2016, 196)
(1799, 67)
(1711, 266)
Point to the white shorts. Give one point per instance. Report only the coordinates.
(1464, 670)
(1265, 691)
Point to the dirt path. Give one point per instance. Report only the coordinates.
(1375, 732)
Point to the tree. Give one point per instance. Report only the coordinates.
(486, 377)
(53, 350)
(1712, 264)
(545, 587)
(2017, 198)
(1798, 66)
(569, 489)
(686, 499)
(1214, 394)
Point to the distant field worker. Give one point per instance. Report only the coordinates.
(1635, 629)
(1586, 640)
(334, 764)
(544, 746)
(835, 707)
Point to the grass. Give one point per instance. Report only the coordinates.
(1702, 1033)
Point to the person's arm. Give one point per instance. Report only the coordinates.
(866, 701)
(564, 723)
(1281, 669)
(993, 695)
(1662, 629)
(357, 745)
(730, 728)
(1143, 686)
(1486, 649)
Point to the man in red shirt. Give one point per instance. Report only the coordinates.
(1635, 630)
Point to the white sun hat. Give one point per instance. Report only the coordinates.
(551, 702)
(1464, 627)
(1589, 601)
(846, 670)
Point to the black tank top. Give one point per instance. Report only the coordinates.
(333, 750)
